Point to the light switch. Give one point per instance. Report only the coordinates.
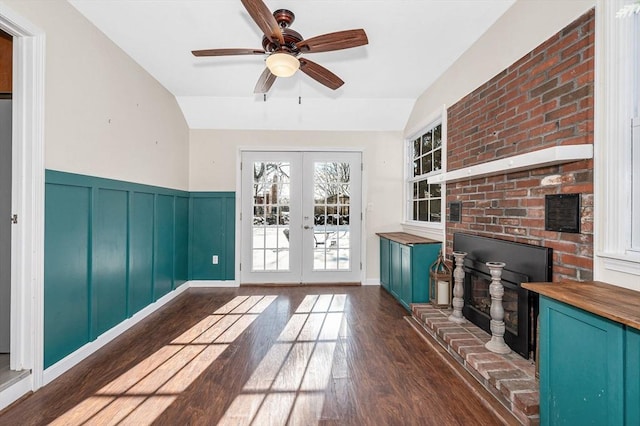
(214, 259)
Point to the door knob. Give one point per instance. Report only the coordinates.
(307, 227)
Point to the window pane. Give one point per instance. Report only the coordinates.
(427, 140)
(423, 210)
(437, 136)
(416, 148)
(435, 211)
(416, 168)
(423, 189)
(437, 159)
(434, 190)
(415, 210)
(427, 162)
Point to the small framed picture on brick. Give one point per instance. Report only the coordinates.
(562, 213)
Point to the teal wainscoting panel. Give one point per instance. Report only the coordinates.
(66, 270)
(141, 251)
(109, 298)
(163, 278)
(111, 249)
(212, 233)
(581, 367)
(632, 378)
(181, 232)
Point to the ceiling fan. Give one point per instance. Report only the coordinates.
(284, 46)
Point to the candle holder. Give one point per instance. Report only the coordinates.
(458, 289)
(440, 283)
(497, 344)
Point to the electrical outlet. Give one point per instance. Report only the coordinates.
(214, 259)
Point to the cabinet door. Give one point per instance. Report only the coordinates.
(581, 367)
(632, 377)
(384, 263)
(405, 287)
(396, 272)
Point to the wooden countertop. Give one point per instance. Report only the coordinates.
(404, 238)
(615, 303)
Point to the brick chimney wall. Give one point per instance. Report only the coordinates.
(543, 100)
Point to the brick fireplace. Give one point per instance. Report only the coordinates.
(543, 100)
(523, 263)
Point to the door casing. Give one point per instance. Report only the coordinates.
(239, 191)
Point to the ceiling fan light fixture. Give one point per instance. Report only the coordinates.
(282, 64)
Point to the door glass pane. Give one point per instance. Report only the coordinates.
(271, 206)
(331, 230)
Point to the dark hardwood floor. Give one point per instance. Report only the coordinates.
(262, 356)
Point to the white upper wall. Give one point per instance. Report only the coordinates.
(104, 115)
(214, 160)
(523, 27)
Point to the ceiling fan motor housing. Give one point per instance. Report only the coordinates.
(284, 18)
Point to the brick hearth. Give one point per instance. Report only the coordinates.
(510, 378)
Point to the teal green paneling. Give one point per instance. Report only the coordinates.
(66, 270)
(109, 298)
(141, 251)
(163, 261)
(632, 377)
(109, 249)
(181, 232)
(113, 247)
(212, 232)
(581, 367)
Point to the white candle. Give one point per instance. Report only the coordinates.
(443, 293)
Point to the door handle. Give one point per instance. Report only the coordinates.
(306, 227)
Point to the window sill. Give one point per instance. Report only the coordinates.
(433, 231)
(626, 263)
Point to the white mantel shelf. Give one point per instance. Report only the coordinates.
(530, 160)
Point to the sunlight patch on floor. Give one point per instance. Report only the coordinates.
(145, 391)
(289, 384)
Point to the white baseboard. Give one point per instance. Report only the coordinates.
(371, 281)
(14, 392)
(212, 283)
(80, 354)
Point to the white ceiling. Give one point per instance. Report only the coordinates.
(411, 43)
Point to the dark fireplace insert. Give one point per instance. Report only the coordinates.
(524, 263)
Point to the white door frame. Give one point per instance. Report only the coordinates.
(27, 236)
(239, 195)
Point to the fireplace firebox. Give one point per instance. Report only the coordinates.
(524, 263)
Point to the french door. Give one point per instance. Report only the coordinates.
(301, 217)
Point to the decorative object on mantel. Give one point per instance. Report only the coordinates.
(458, 289)
(440, 283)
(497, 344)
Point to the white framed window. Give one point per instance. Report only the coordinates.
(617, 146)
(425, 157)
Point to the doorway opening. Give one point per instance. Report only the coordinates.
(27, 206)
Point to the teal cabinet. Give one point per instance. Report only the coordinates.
(589, 368)
(385, 273)
(632, 377)
(404, 266)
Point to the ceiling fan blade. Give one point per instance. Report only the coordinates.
(263, 17)
(227, 52)
(265, 82)
(334, 41)
(320, 74)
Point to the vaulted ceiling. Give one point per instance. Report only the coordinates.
(411, 43)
